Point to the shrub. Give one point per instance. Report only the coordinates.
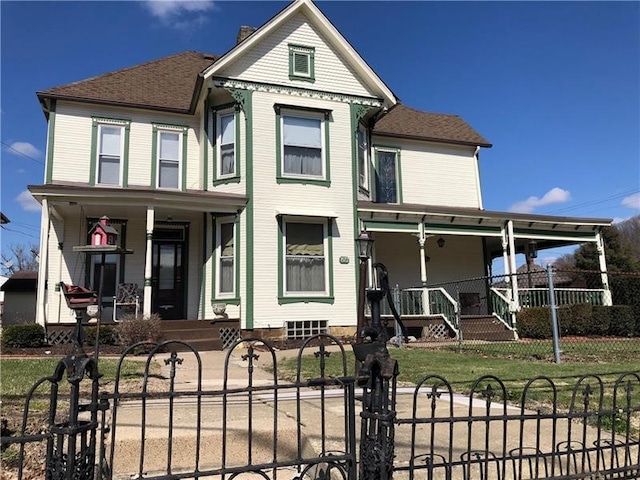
(132, 329)
(534, 323)
(575, 319)
(623, 321)
(600, 320)
(108, 335)
(23, 336)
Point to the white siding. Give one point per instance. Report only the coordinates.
(460, 258)
(72, 143)
(269, 196)
(433, 174)
(268, 62)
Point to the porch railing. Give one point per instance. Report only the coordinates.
(500, 305)
(441, 303)
(539, 297)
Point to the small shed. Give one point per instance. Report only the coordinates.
(20, 298)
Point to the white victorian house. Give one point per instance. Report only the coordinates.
(243, 179)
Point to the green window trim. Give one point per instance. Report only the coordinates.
(396, 150)
(288, 299)
(217, 112)
(299, 53)
(216, 220)
(281, 178)
(182, 181)
(93, 167)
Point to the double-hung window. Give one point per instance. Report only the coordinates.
(388, 184)
(363, 164)
(227, 145)
(110, 152)
(305, 258)
(169, 152)
(225, 259)
(302, 146)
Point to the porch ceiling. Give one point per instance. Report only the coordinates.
(548, 231)
(69, 196)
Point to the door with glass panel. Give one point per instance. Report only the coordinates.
(168, 278)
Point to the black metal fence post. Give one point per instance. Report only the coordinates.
(71, 448)
(378, 378)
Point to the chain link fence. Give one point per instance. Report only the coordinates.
(596, 315)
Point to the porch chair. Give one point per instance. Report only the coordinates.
(470, 303)
(127, 296)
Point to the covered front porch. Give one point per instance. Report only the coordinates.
(166, 249)
(440, 261)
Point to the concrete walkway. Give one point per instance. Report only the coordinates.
(296, 424)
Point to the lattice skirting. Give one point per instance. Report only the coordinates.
(229, 336)
(60, 336)
(435, 330)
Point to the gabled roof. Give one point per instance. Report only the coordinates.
(405, 122)
(167, 84)
(314, 14)
(21, 281)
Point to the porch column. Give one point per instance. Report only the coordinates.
(41, 294)
(512, 263)
(423, 269)
(505, 260)
(606, 297)
(148, 262)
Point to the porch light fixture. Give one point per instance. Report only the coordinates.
(533, 249)
(440, 242)
(365, 245)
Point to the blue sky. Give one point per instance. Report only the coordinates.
(555, 86)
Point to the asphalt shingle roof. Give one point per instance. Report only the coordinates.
(165, 84)
(401, 121)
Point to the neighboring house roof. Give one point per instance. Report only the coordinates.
(401, 121)
(167, 84)
(21, 281)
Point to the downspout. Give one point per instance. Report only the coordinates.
(476, 157)
(606, 296)
(41, 294)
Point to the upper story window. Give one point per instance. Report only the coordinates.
(227, 145)
(388, 180)
(302, 146)
(109, 151)
(363, 154)
(301, 63)
(169, 156)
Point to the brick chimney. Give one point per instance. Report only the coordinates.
(244, 32)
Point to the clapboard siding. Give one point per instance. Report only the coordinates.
(435, 174)
(268, 62)
(270, 197)
(72, 146)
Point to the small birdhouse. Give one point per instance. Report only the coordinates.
(102, 233)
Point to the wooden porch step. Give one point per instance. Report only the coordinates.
(485, 327)
(200, 334)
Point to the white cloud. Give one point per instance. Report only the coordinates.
(555, 195)
(24, 148)
(632, 201)
(179, 14)
(27, 202)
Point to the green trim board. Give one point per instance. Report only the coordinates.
(203, 270)
(373, 226)
(326, 147)
(236, 84)
(287, 299)
(51, 129)
(297, 56)
(244, 98)
(554, 235)
(398, 165)
(185, 136)
(207, 141)
(95, 124)
(462, 229)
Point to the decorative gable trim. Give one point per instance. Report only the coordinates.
(231, 84)
(326, 27)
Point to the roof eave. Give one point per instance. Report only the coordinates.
(433, 139)
(72, 98)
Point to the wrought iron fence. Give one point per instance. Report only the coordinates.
(183, 425)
